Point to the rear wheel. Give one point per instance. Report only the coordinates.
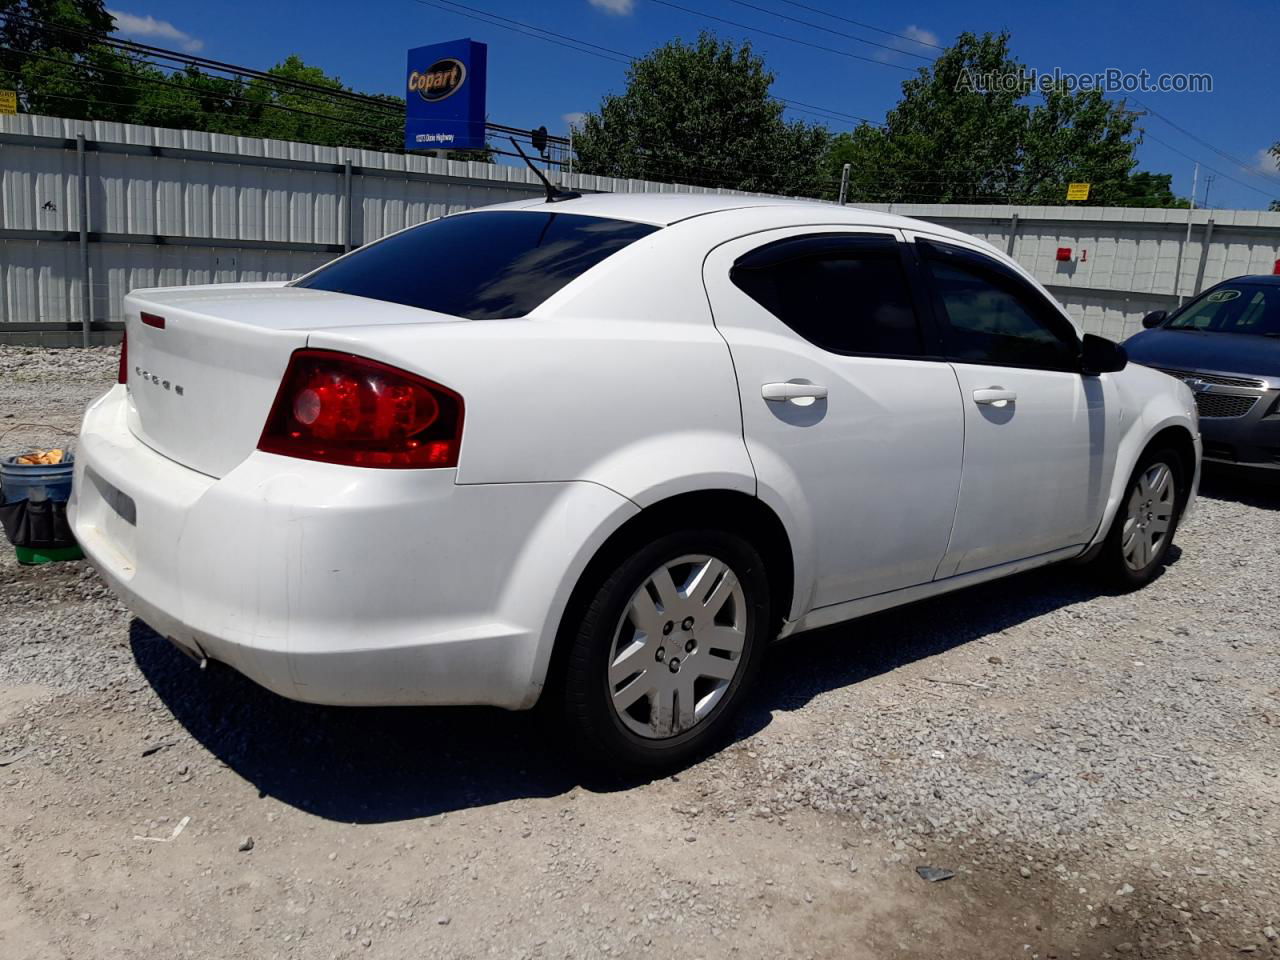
(667, 650)
(1143, 530)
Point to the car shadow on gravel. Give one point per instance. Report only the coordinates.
(356, 764)
(849, 653)
(1252, 488)
(371, 765)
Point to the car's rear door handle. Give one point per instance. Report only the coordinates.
(778, 392)
(996, 396)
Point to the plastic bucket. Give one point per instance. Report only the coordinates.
(20, 480)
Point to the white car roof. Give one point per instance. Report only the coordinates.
(664, 209)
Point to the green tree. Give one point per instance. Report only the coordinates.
(970, 128)
(1150, 190)
(49, 53)
(701, 113)
(52, 51)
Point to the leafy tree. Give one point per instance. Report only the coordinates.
(701, 113)
(1150, 190)
(968, 129)
(49, 53)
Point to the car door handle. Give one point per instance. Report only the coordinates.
(996, 396)
(778, 392)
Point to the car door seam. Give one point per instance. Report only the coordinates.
(964, 428)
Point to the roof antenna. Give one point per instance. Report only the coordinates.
(554, 194)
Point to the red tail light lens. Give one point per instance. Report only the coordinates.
(122, 375)
(339, 408)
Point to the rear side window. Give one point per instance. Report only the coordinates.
(482, 266)
(844, 293)
(991, 315)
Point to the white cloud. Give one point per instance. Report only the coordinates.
(621, 8)
(1266, 161)
(921, 35)
(573, 119)
(914, 39)
(148, 27)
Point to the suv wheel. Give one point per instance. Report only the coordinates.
(667, 650)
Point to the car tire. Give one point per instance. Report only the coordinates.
(1146, 521)
(652, 678)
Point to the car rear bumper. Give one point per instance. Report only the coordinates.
(336, 584)
(1252, 440)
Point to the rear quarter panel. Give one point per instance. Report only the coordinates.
(619, 379)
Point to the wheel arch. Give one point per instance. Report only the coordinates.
(1173, 431)
(1178, 438)
(730, 510)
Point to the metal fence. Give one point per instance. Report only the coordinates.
(91, 210)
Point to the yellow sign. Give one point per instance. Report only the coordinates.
(8, 101)
(1077, 191)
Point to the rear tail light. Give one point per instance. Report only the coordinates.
(122, 375)
(339, 408)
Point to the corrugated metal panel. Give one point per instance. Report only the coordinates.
(1133, 255)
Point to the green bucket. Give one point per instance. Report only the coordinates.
(31, 556)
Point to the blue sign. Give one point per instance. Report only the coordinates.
(444, 96)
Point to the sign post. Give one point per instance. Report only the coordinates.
(445, 96)
(1077, 191)
(8, 101)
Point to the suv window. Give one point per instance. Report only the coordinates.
(841, 292)
(989, 314)
(479, 265)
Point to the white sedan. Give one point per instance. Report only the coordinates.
(607, 449)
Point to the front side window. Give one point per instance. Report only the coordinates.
(846, 294)
(991, 315)
(481, 266)
(1233, 308)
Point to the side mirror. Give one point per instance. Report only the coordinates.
(1154, 318)
(1100, 355)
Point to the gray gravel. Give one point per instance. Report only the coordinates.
(1098, 772)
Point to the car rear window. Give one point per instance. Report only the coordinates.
(482, 266)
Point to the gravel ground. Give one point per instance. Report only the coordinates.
(1098, 772)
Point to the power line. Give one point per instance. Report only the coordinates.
(193, 91)
(779, 36)
(1274, 177)
(139, 53)
(1247, 186)
(604, 53)
(830, 30)
(865, 26)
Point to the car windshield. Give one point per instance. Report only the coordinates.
(480, 266)
(1233, 308)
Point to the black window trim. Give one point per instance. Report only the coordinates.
(1001, 276)
(803, 245)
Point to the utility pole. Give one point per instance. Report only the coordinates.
(1208, 182)
(844, 183)
(1177, 281)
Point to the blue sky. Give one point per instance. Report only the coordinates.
(532, 82)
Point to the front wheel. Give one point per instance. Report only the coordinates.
(1142, 532)
(667, 650)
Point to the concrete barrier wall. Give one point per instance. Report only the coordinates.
(170, 207)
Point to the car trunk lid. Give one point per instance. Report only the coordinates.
(205, 363)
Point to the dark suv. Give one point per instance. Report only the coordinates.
(1225, 345)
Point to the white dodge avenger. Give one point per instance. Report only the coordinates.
(606, 449)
